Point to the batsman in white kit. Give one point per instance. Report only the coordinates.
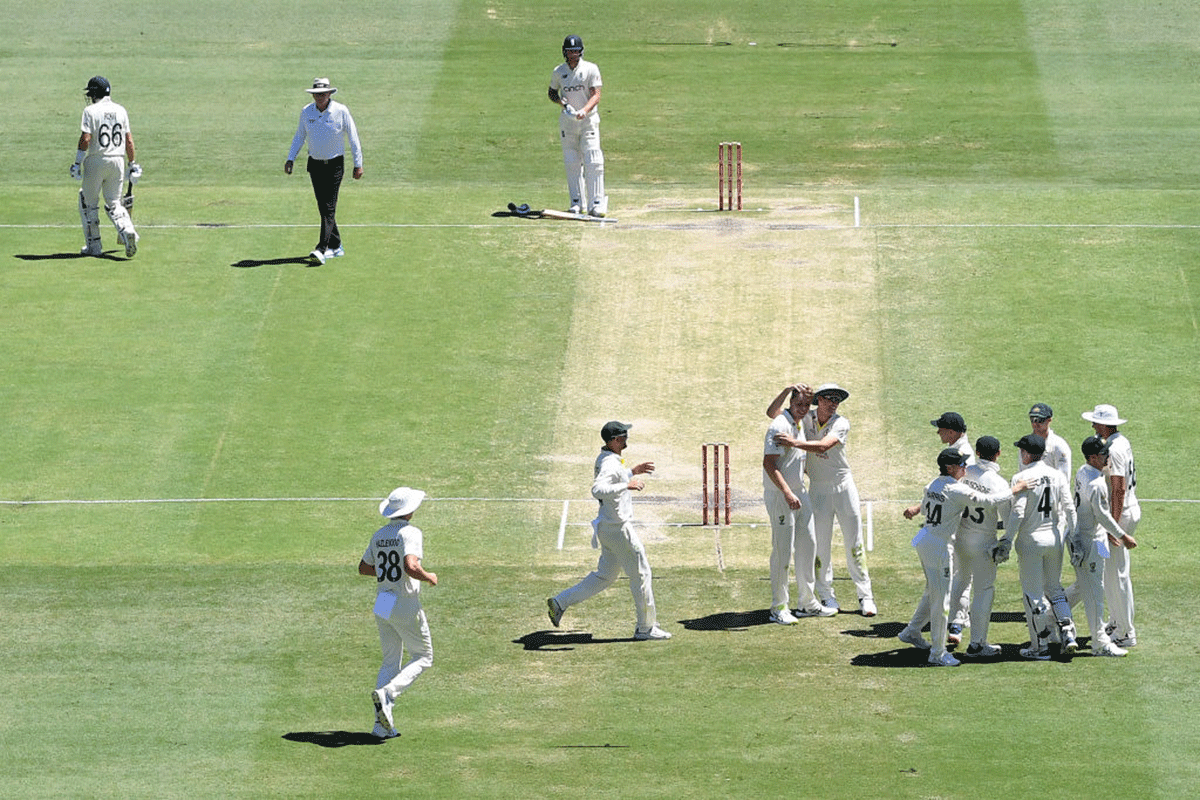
(393, 558)
(793, 538)
(576, 85)
(105, 142)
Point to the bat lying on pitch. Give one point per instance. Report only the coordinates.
(524, 210)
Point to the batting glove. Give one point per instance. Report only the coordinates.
(570, 109)
(135, 173)
(1077, 551)
(77, 172)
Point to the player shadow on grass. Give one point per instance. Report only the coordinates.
(728, 621)
(555, 640)
(334, 738)
(107, 256)
(251, 263)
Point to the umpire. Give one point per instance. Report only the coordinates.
(326, 125)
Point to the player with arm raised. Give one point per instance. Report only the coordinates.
(793, 541)
(945, 500)
(833, 495)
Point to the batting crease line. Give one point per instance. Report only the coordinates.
(650, 225)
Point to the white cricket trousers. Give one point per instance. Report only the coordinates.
(1118, 586)
(793, 544)
(1039, 562)
(620, 551)
(583, 161)
(102, 177)
(840, 503)
(403, 630)
(934, 606)
(971, 564)
(1089, 587)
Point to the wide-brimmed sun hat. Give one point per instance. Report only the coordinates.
(401, 502)
(320, 86)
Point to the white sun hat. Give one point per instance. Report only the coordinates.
(321, 85)
(401, 502)
(1104, 414)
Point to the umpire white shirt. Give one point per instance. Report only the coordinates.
(326, 132)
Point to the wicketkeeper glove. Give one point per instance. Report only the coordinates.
(135, 173)
(77, 172)
(1000, 551)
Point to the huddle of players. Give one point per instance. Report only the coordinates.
(973, 519)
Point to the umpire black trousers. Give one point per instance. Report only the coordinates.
(326, 179)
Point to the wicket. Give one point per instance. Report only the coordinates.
(718, 448)
(725, 184)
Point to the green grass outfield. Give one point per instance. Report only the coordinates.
(195, 440)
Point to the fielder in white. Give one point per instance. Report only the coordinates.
(1058, 452)
(620, 547)
(945, 500)
(576, 85)
(833, 494)
(393, 558)
(1089, 544)
(793, 540)
(974, 542)
(1036, 522)
(952, 430)
(105, 142)
(1122, 485)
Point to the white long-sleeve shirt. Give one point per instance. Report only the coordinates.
(326, 132)
(611, 488)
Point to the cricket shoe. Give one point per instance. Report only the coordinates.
(1070, 646)
(574, 209)
(1110, 650)
(555, 611)
(380, 732)
(783, 617)
(90, 251)
(1125, 641)
(655, 633)
(130, 241)
(868, 607)
(819, 611)
(831, 603)
(954, 633)
(1035, 654)
(383, 710)
(944, 660)
(909, 636)
(336, 252)
(317, 255)
(982, 650)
